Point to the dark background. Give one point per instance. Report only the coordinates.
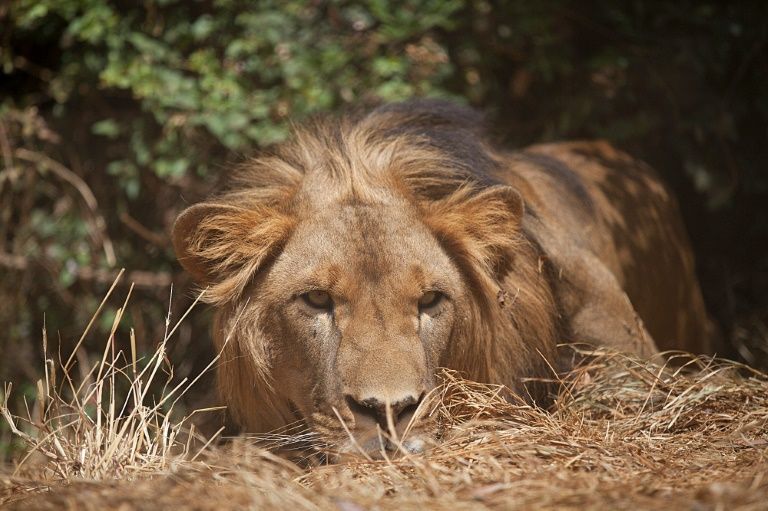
(115, 115)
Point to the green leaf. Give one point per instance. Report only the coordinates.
(107, 128)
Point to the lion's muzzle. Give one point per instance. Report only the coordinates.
(382, 425)
(383, 411)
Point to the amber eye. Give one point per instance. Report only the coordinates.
(430, 299)
(318, 299)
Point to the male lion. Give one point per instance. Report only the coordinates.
(367, 252)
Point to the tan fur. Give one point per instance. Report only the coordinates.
(529, 248)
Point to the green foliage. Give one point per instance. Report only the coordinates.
(232, 72)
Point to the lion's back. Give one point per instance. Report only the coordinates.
(621, 209)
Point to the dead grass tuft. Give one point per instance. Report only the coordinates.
(104, 423)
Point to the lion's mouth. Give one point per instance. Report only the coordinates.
(373, 444)
(351, 431)
(375, 436)
(351, 434)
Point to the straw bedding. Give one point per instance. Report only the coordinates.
(624, 433)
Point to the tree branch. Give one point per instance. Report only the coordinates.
(100, 230)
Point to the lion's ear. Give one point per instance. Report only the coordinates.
(223, 246)
(482, 226)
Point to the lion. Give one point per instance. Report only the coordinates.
(368, 251)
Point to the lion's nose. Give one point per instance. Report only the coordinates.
(376, 408)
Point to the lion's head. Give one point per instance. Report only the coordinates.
(352, 263)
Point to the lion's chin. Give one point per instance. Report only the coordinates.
(365, 439)
(375, 445)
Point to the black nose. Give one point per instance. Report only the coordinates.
(376, 408)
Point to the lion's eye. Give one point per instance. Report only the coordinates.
(318, 299)
(430, 299)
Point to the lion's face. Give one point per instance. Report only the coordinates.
(338, 313)
(364, 301)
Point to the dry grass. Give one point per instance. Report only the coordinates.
(624, 433)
